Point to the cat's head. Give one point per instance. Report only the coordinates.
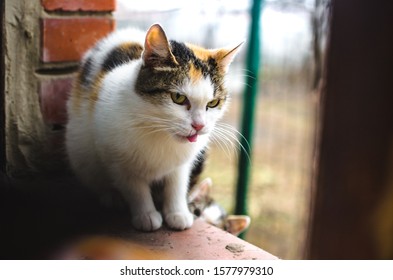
(203, 206)
(183, 85)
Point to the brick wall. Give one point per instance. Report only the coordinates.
(68, 28)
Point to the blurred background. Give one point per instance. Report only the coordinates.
(293, 35)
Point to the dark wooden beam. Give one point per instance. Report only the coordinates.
(353, 176)
(2, 92)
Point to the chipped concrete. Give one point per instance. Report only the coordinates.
(235, 248)
(27, 137)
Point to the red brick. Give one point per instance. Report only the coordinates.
(79, 5)
(53, 94)
(66, 39)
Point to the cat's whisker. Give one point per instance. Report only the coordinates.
(147, 122)
(219, 142)
(228, 142)
(159, 125)
(150, 128)
(240, 145)
(244, 73)
(228, 131)
(149, 119)
(244, 83)
(155, 131)
(247, 76)
(243, 77)
(142, 121)
(236, 132)
(244, 70)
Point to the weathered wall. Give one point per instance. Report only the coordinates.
(43, 42)
(25, 132)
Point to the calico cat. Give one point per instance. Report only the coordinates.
(203, 206)
(140, 114)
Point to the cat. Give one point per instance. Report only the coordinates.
(140, 114)
(203, 206)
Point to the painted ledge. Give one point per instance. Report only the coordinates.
(201, 242)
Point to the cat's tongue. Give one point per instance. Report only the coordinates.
(192, 138)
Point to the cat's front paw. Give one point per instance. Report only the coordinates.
(179, 220)
(147, 221)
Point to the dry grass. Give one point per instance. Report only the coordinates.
(281, 169)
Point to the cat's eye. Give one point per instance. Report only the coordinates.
(178, 98)
(214, 103)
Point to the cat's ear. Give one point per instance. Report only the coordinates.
(224, 57)
(157, 50)
(200, 191)
(236, 224)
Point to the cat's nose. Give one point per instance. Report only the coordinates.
(198, 126)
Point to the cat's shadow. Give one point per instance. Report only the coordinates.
(38, 216)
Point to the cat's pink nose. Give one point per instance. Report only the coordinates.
(197, 126)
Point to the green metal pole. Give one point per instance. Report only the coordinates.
(249, 103)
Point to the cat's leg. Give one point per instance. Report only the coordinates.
(175, 210)
(137, 193)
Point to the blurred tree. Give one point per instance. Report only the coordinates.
(319, 11)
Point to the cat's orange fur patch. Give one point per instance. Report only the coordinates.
(76, 95)
(201, 53)
(195, 74)
(134, 50)
(95, 89)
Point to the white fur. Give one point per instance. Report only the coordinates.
(128, 142)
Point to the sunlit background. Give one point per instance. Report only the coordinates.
(285, 120)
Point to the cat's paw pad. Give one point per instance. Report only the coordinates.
(179, 220)
(147, 221)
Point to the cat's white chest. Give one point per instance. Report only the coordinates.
(160, 156)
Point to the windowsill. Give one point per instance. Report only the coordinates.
(45, 219)
(201, 242)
